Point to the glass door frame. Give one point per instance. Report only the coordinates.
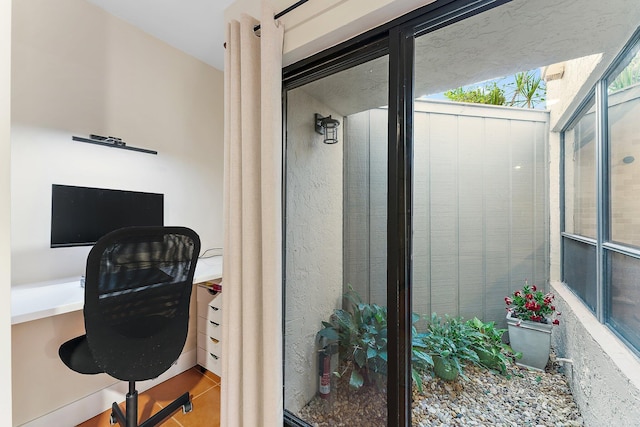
(395, 39)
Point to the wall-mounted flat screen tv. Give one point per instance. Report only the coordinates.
(81, 215)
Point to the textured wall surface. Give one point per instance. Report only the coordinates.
(313, 276)
(604, 376)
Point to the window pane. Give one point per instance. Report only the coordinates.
(624, 296)
(579, 267)
(624, 133)
(335, 245)
(580, 177)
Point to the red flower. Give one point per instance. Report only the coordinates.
(531, 303)
(556, 322)
(553, 307)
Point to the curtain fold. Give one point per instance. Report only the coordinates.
(252, 315)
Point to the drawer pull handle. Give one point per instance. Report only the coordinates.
(214, 356)
(214, 323)
(215, 341)
(214, 308)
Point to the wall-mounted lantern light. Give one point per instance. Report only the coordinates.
(328, 127)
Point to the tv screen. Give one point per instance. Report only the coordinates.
(81, 215)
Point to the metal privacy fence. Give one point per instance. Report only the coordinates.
(480, 206)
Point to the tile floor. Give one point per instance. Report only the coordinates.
(205, 396)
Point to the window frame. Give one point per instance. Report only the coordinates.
(603, 243)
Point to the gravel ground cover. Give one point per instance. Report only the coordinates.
(522, 398)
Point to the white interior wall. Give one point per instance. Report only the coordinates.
(78, 70)
(5, 211)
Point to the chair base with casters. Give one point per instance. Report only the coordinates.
(76, 355)
(130, 417)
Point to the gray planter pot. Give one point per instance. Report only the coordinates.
(532, 339)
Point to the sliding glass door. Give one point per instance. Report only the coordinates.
(335, 328)
(359, 211)
(433, 200)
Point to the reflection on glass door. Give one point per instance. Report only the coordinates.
(335, 278)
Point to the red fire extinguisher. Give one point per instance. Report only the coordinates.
(327, 359)
(324, 368)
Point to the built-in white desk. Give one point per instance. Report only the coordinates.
(39, 300)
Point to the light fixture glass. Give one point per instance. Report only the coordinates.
(328, 127)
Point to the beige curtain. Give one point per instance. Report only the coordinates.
(252, 322)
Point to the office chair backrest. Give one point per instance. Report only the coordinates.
(137, 292)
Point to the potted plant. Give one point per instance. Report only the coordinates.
(530, 318)
(492, 352)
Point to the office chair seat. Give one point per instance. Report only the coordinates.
(76, 354)
(136, 311)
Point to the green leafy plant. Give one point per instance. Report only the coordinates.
(450, 343)
(532, 304)
(487, 343)
(528, 89)
(361, 334)
(489, 94)
(421, 360)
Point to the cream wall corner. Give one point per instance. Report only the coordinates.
(5, 203)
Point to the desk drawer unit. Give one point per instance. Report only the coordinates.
(209, 308)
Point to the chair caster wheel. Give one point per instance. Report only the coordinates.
(112, 420)
(187, 407)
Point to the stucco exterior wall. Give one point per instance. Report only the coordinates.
(604, 376)
(563, 95)
(554, 207)
(313, 276)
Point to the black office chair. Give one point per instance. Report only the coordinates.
(136, 311)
